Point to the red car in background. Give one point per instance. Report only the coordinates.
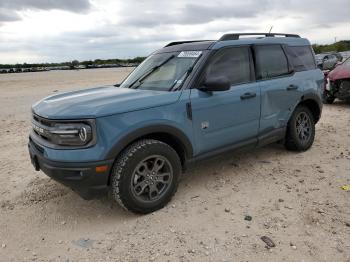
(338, 83)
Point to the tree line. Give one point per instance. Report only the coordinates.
(340, 46)
(75, 63)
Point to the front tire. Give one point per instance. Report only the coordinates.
(145, 176)
(301, 130)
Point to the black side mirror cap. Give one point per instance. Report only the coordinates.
(117, 85)
(216, 84)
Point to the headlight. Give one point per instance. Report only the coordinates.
(75, 134)
(65, 133)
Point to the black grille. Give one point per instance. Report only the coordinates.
(42, 121)
(41, 127)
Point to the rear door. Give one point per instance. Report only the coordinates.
(224, 118)
(279, 92)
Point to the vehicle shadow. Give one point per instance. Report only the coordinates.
(199, 174)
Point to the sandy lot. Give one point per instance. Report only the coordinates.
(294, 199)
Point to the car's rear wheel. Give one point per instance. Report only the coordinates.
(145, 176)
(301, 130)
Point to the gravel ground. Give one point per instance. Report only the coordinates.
(222, 208)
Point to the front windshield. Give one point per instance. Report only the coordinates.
(162, 72)
(347, 62)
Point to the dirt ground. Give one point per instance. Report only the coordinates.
(294, 199)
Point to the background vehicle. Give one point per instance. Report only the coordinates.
(338, 83)
(328, 61)
(187, 101)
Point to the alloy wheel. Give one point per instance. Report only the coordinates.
(151, 178)
(303, 126)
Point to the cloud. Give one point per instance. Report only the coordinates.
(188, 13)
(8, 16)
(117, 28)
(67, 5)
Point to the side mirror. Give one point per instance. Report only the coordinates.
(117, 85)
(216, 84)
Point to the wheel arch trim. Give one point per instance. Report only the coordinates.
(130, 137)
(313, 98)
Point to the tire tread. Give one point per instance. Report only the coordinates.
(291, 142)
(119, 168)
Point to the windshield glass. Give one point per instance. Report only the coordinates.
(347, 62)
(162, 72)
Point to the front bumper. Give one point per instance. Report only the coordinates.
(80, 177)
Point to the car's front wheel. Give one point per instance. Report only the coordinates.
(301, 130)
(145, 176)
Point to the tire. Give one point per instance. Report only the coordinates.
(327, 98)
(145, 176)
(301, 130)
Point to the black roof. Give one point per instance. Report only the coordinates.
(187, 46)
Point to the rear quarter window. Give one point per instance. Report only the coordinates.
(301, 57)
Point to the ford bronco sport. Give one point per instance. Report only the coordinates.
(185, 102)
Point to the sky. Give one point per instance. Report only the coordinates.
(65, 30)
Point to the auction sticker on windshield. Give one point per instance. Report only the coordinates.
(190, 54)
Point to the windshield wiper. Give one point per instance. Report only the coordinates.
(186, 74)
(147, 74)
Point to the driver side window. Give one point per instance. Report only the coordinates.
(232, 63)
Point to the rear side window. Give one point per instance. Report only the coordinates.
(271, 61)
(232, 63)
(301, 57)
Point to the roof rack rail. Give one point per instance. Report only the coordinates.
(184, 42)
(236, 36)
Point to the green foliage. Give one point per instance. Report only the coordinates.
(340, 46)
(76, 63)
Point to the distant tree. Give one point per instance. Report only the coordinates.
(86, 63)
(336, 47)
(74, 64)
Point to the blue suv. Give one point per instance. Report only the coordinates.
(185, 102)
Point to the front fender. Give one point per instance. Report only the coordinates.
(142, 131)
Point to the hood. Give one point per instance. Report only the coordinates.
(101, 101)
(340, 72)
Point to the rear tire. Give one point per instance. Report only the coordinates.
(301, 130)
(145, 176)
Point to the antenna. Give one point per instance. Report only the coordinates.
(271, 29)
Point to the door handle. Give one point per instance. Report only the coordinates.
(248, 95)
(292, 87)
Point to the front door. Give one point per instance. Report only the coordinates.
(225, 118)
